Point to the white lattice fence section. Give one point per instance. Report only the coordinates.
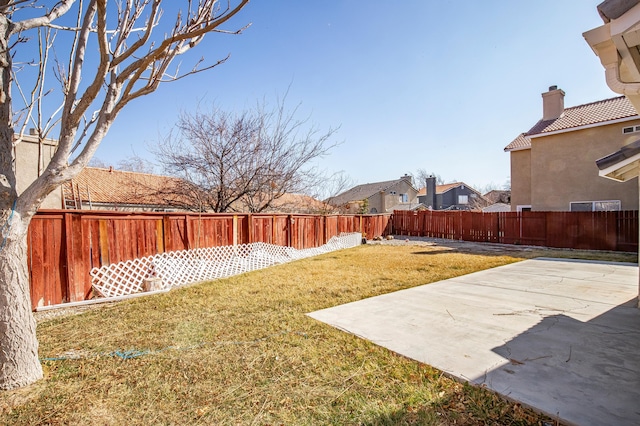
(178, 268)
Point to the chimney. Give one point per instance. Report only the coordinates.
(431, 192)
(408, 178)
(552, 103)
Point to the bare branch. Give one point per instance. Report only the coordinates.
(60, 9)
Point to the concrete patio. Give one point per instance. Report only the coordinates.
(561, 336)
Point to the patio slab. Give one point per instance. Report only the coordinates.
(560, 336)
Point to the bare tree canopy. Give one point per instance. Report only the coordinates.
(232, 162)
(107, 53)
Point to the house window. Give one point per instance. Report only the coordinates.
(463, 199)
(595, 206)
(523, 208)
(630, 129)
(404, 198)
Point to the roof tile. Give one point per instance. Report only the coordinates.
(118, 187)
(581, 115)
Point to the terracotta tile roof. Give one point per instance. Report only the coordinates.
(117, 187)
(581, 115)
(521, 142)
(296, 203)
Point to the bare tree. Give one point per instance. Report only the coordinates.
(97, 162)
(421, 176)
(135, 51)
(331, 186)
(243, 162)
(136, 164)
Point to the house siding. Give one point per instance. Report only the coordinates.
(392, 200)
(520, 178)
(375, 203)
(449, 199)
(564, 169)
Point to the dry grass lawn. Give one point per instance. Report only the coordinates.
(242, 351)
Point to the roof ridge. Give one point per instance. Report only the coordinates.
(111, 170)
(596, 102)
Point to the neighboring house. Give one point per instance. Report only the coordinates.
(498, 196)
(553, 164)
(450, 196)
(31, 158)
(298, 203)
(108, 189)
(497, 201)
(377, 197)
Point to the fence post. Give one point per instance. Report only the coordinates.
(324, 229)
(273, 229)
(159, 236)
(235, 230)
(187, 230)
(68, 256)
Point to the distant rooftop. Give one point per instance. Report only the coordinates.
(117, 187)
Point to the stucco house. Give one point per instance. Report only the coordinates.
(378, 197)
(553, 164)
(450, 196)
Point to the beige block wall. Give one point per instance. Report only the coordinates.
(26, 155)
(520, 178)
(563, 168)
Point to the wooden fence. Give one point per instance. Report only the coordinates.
(65, 245)
(616, 231)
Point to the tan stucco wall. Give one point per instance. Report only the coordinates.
(563, 168)
(520, 178)
(391, 200)
(375, 202)
(26, 155)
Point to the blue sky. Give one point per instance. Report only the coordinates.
(439, 85)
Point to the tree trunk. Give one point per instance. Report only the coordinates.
(18, 342)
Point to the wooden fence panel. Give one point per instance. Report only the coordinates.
(175, 233)
(45, 257)
(263, 229)
(627, 231)
(578, 230)
(330, 227)
(509, 227)
(63, 246)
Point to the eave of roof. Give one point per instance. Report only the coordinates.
(621, 165)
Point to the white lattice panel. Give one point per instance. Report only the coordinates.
(178, 268)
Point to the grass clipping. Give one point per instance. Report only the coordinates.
(242, 351)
